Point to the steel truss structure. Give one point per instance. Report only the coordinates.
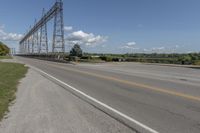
(36, 39)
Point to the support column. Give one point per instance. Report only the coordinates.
(58, 33)
(43, 37)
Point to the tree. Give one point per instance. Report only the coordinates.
(76, 51)
(4, 50)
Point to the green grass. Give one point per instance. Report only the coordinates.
(5, 57)
(197, 62)
(10, 74)
(91, 61)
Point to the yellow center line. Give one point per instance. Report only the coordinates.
(131, 83)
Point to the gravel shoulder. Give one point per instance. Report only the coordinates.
(42, 106)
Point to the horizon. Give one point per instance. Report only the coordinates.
(115, 27)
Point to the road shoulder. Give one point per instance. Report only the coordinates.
(43, 106)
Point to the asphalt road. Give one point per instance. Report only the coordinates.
(41, 106)
(165, 99)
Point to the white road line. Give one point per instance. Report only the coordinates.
(99, 102)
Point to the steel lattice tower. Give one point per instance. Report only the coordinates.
(58, 33)
(43, 37)
(28, 48)
(25, 46)
(32, 44)
(36, 37)
(36, 41)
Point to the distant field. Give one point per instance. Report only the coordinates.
(10, 74)
(5, 57)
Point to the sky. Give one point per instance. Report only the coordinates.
(111, 26)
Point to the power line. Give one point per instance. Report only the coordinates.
(35, 41)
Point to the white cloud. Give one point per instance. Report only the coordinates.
(158, 48)
(129, 45)
(88, 39)
(177, 46)
(4, 36)
(2, 26)
(103, 46)
(68, 28)
(146, 50)
(155, 49)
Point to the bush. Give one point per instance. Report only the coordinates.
(4, 50)
(74, 58)
(86, 57)
(197, 62)
(106, 58)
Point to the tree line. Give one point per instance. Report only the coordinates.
(4, 50)
(171, 58)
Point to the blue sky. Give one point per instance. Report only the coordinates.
(117, 26)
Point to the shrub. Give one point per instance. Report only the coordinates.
(106, 58)
(4, 50)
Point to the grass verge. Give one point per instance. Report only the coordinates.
(5, 57)
(10, 74)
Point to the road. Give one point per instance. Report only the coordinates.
(165, 99)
